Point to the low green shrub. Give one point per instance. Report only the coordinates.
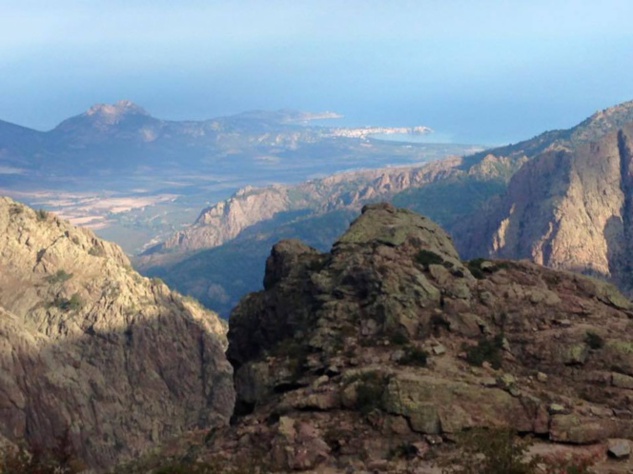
(496, 451)
(369, 392)
(59, 277)
(486, 350)
(415, 357)
(75, 303)
(594, 341)
(426, 257)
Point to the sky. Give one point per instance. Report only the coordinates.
(478, 71)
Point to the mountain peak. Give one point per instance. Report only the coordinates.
(116, 110)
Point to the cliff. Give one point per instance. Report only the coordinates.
(569, 208)
(91, 349)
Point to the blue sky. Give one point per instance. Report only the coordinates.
(481, 70)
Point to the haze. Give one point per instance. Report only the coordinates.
(480, 72)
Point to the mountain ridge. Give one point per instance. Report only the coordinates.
(95, 352)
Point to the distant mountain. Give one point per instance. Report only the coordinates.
(570, 207)
(462, 194)
(121, 137)
(94, 354)
(136, 178)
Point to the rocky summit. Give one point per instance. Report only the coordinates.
(93, 353)
(373, 356)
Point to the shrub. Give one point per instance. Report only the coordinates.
(486, 350)
(498, 451)
(414, 356)
(96, 251)
(475, 268)
(593, 340)
(398, 338)
(15, 210)
(493, 452)
(369, 391)
(578, 463)
(60, 459)
(75, 303)
(41, 215)
(403, 451)
(426, 257)
(60, 277)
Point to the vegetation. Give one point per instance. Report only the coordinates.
(60, 459)
(475, 268)
(403, 451)
(414, 356)
(369, 391)
(486, 350)
(426, 257)
(398, 338)
(450, 201)
(16, 209)
(96, 251)
(499, 451)
(492, 452)
(594, 341)
(60, 277)
(41, 214)
(75, 303)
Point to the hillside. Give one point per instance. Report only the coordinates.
(568, 208)
(94, 351)
(376, 355)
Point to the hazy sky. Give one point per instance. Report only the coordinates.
(481, 70)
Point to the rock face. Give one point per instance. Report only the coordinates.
(249, 206)
(389, 344)
(89, 347)
(569, 208)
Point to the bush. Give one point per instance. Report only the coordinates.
(426, 258)
(75, 303)
(499, 451)
(492, 452)
(60, 277)
(398, 338)
(369, 392)
(475, 268)
(486, 350)
(60, 459)
(16, 209)
(96, 251)
(414, 356)
(594, 341)
(41, 215)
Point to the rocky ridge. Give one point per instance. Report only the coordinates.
(93, 350)
(249, 206)
(568, 208)
(375, 355)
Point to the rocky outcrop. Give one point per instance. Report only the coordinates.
(567, 209)
(90, 348)
(370, 356)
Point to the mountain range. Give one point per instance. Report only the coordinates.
(375, 351)
(136, 179)
(560, 199)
